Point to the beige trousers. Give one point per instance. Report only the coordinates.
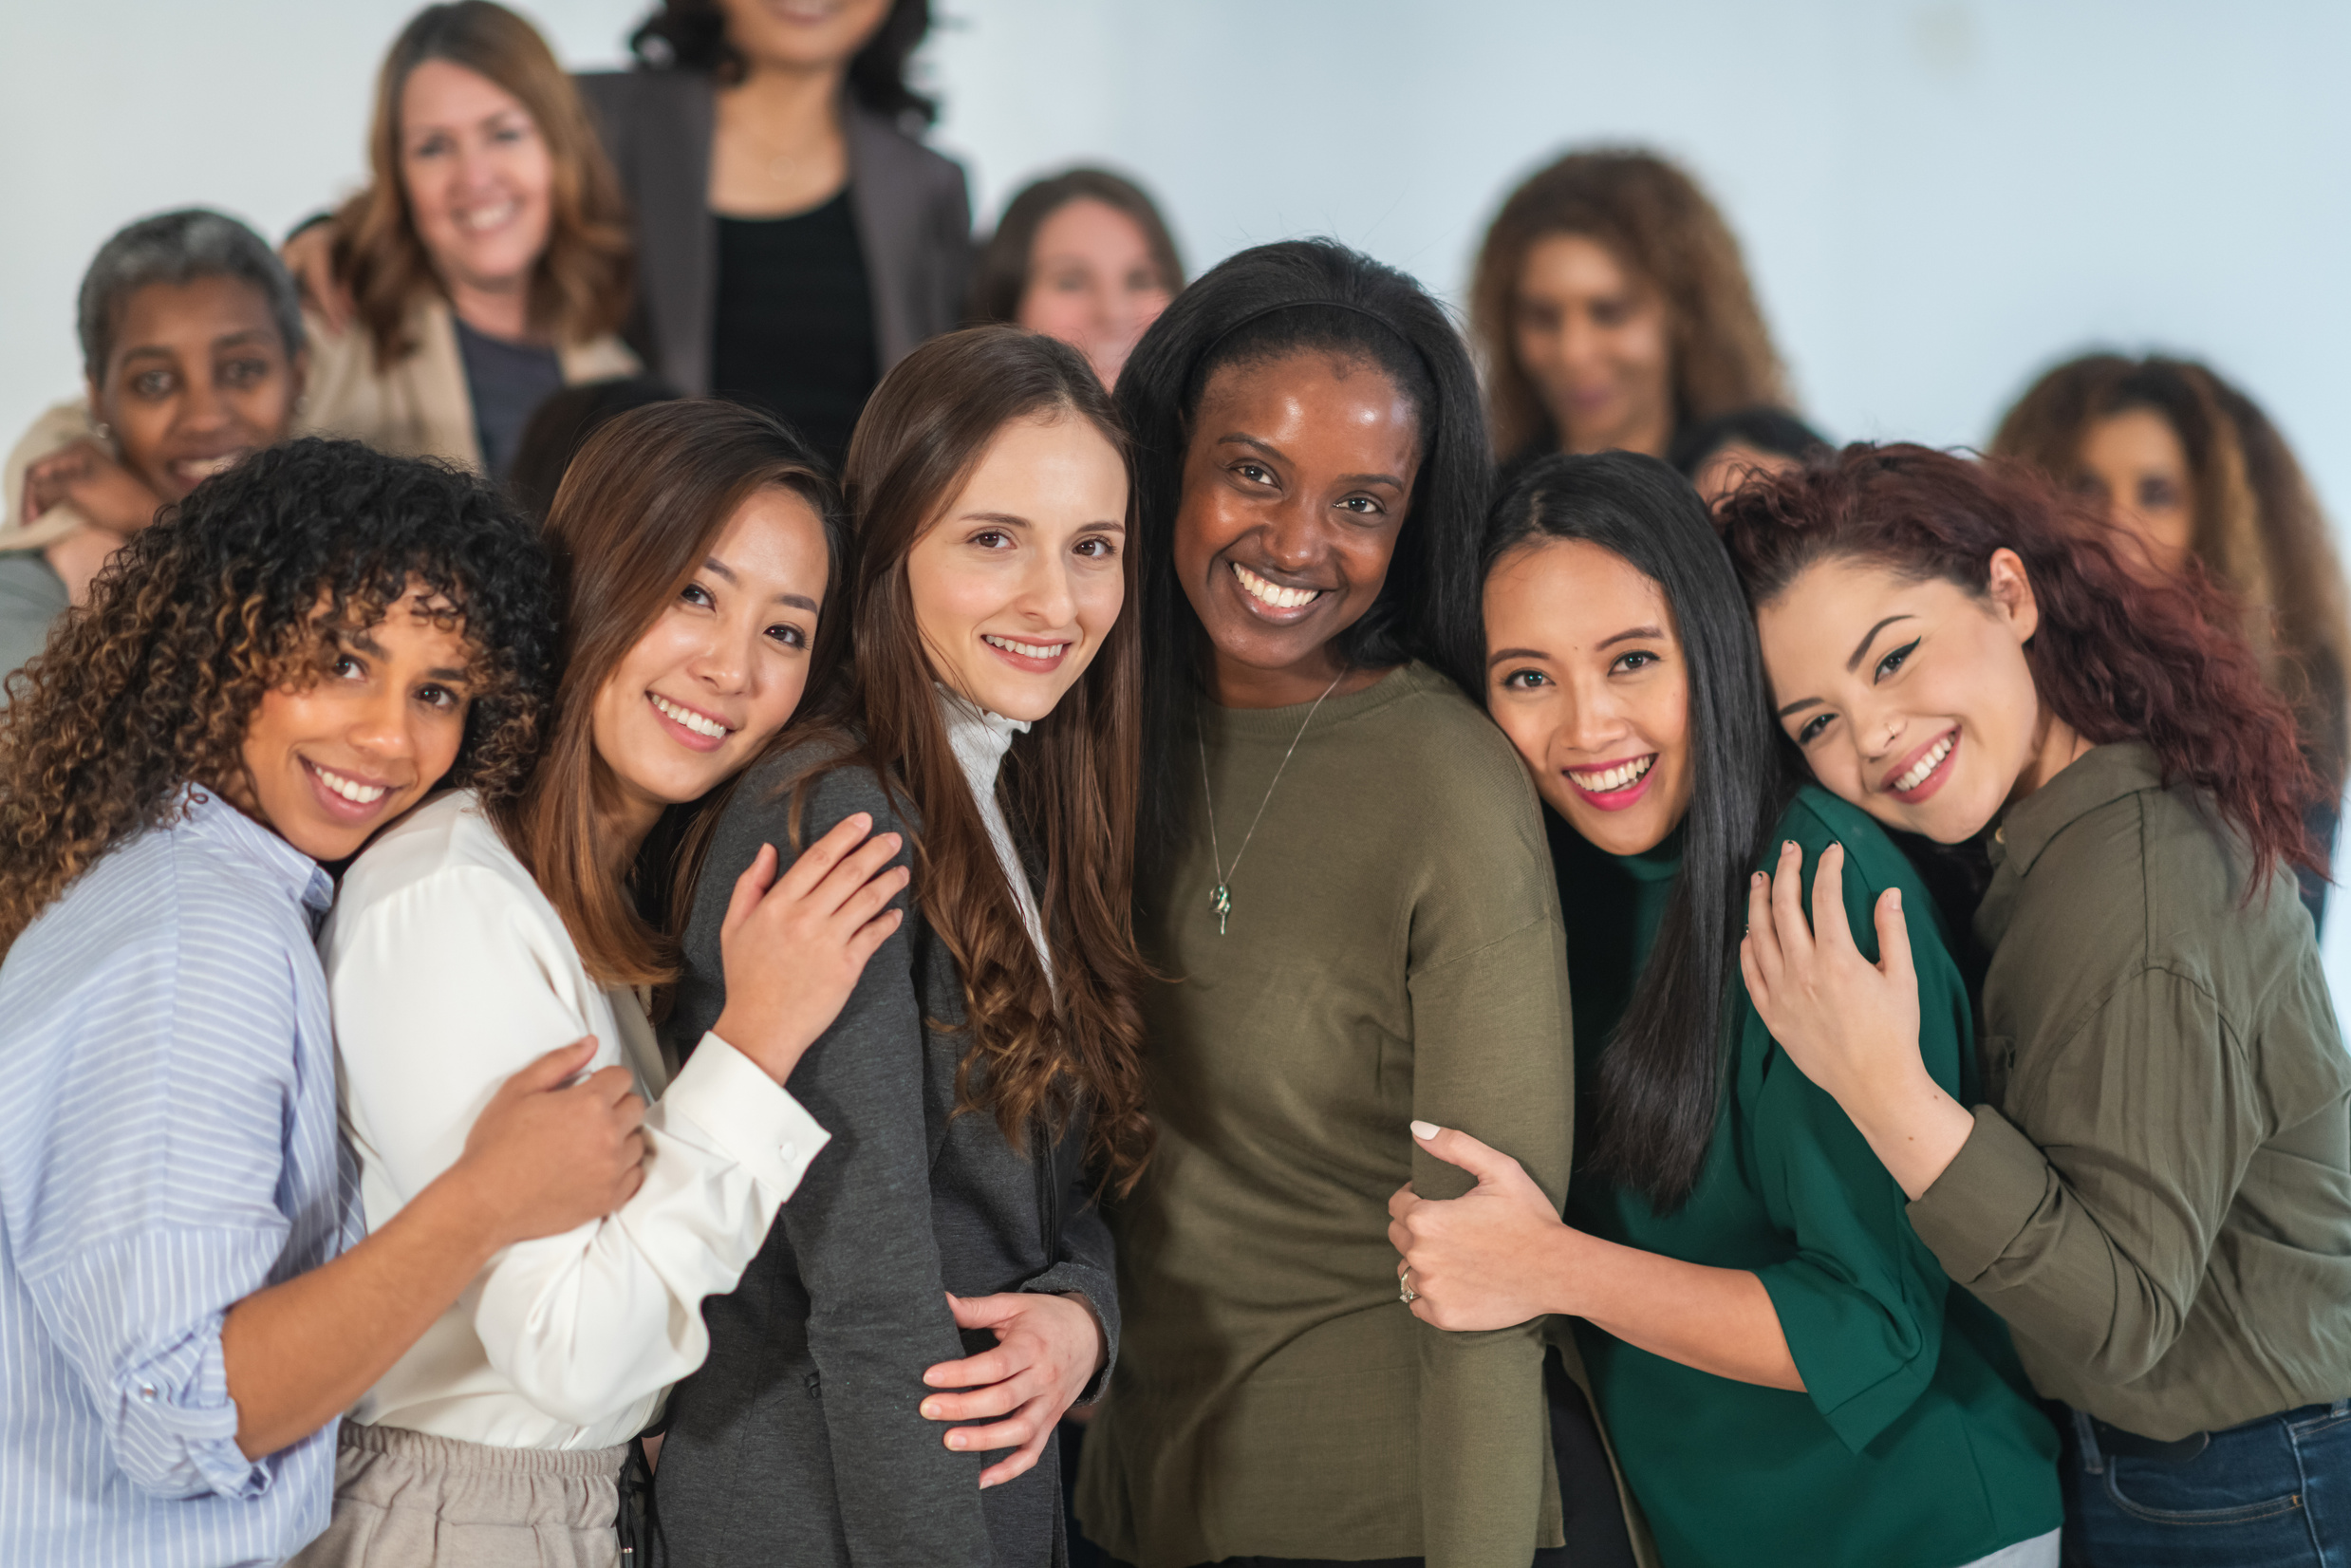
(405, 1499)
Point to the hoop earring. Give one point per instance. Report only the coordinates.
(103, 431)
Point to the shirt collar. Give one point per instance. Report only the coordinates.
(214, 821)
(979, 737)
(2097, 777)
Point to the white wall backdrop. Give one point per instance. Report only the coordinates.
(1936, 197)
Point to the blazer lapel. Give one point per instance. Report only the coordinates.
(677, 236)
(883, 183)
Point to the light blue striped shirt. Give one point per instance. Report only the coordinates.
(167, 1147)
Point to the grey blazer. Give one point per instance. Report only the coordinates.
(801, 1442)
(912, 212)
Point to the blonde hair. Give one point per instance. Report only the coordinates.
(1659, 225)
(582, 285)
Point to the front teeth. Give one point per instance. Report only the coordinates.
(349, 789)
(1925, 765)
(1621, 776)
(1026, 651)
(691, 720)
(204, 467)
(487, 218)
(1274, 593)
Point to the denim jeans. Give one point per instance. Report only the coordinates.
(2274, 1493)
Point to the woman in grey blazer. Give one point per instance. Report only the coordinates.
(794, 239)
(984, 1084)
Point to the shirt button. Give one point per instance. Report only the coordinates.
(146, 1391)
(789, 1151)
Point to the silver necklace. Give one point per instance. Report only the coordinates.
(1221, 896)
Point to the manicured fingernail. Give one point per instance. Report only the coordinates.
(1897, 896)
(930, 1408)
(1787, 846)
(954, 1440)
(932, 1378)
(1757, 879)
(1424, 1130)
(863, 819)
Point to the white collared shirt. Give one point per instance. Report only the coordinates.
(449, 971)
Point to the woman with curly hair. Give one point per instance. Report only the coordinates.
(2158, 1196)
(1612, 308)
(2193, 470)
(695, 549)
(305, 648)
(985, 1079)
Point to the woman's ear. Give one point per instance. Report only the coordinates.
(2011, 593)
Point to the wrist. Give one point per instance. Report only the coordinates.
(1566, 1264)
(465, 1209)
(773, 1051)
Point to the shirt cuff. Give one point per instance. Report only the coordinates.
(1863, 1360)
(1984, 1199)
(177, 1412)
(746, 1114)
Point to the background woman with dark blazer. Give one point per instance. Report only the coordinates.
(795, 240)
(984, 1081)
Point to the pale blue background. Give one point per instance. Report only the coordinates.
(1936, 197)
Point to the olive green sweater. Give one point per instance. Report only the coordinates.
(1394, 952)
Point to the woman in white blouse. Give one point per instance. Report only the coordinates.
(696, 543)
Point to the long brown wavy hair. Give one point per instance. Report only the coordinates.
(2117, 655)
(245, 586)
(634, 520)
(1660, 227)
(582, 287)
(1067, 786)
(2258, 526)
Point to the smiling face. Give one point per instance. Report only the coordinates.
(1596, 340)
(199, 377)
(801, 35)
(1092, 283)
(1018, 583)
(722, 667)
(1912, 699)
(329, 763)
(2134, 464)
(478, 176)
(1585, 674)
(1299, 477)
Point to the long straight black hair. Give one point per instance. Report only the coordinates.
(1661, 1074)
(1260, 305)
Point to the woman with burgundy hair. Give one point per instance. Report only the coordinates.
(2157, 1198)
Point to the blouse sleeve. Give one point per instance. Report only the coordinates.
(1492, 1056)
(1861, 1299)
(584, 1323)
(2094, 1240)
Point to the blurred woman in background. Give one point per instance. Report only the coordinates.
(487, 263)
(1083, 256)
(2192, 468)
(191, 343)
(1612, 308)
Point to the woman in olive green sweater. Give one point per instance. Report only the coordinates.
(2157, 1198)
(1347, 894)
(1788, 1377)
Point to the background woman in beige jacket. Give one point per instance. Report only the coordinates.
(488, 263)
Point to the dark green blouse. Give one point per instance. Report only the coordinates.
(1915, 1444)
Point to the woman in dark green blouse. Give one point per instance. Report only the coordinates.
(1785, 1371)
(2158, 1196)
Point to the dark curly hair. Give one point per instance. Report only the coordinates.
(232, 593)
(2117, 656)
(691, 35)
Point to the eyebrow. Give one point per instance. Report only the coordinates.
(227, 340)
(365, 642)
(1854, 662)
(726, 574)
(1656, 632)
(1236, 439)
(1500, 654)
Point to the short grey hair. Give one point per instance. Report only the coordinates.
(180, 247)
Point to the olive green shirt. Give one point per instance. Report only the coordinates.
(2158, 1196)
(1914, 1443)
(1394, 951)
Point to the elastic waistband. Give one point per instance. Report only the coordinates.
(456, 1454)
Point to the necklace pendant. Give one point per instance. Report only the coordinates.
(1221, 900)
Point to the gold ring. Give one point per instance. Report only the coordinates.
(1405, 1293)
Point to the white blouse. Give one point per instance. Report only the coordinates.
(449, 971)
(980, 739)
